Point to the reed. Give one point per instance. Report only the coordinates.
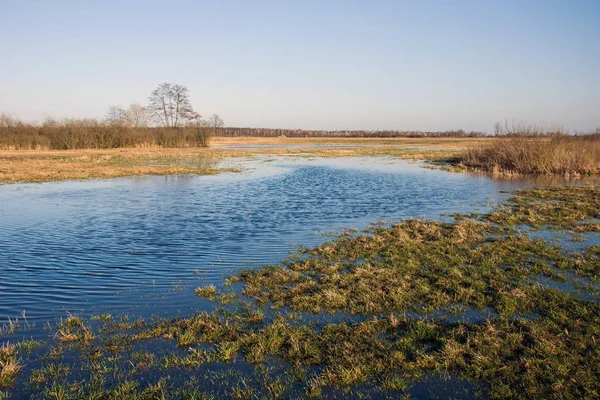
(528, 151)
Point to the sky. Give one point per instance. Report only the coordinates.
(329, 64)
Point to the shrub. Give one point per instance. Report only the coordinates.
(71, 134)
(527, 153)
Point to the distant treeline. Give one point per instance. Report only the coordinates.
(268, 132)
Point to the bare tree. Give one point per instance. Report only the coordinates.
(115, 115)
(8, 121)
(498, 129)
(170, 105)
(135, 116)
(216, 123)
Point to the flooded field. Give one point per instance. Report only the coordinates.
(137, 247)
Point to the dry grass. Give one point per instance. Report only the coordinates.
(9, 365)
(44, 166)
(71, 134)
(400, 141)
(58, 165)
(537, 155)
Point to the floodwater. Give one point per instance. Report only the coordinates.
(139, 246)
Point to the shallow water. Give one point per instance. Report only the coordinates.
(140, 245)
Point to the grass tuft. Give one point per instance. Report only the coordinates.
(10, 365)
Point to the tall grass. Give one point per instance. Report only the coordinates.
(530, 152)
(70, 134)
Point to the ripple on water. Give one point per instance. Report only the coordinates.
(142, 242)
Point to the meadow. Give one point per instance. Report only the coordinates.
(87, 149)
(57, 165)
(503, 303)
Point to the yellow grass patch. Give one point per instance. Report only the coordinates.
(58, 165)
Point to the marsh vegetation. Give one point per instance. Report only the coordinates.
(69, 134)
(526, 149)
(478, 298)
(58, 165)
(489, 301)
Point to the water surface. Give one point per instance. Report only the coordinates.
(140, 245)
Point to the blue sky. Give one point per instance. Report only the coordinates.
(424, 65)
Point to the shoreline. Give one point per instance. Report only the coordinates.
(35, 166)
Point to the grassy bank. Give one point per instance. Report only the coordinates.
(47, 166)
(542, 155)
(476, 299)
(506, 156)
(57, 165)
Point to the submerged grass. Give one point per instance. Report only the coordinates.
(10, 365)
(561, 207)
(368, 314)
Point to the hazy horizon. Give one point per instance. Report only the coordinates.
(332, 65)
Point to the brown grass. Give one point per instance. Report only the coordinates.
(43, 166)
(9, 365)
(400, 141)
(56, 165)
(537, 155)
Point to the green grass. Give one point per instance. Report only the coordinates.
(574, 208)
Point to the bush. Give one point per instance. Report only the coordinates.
(70, 134)
(555, 153)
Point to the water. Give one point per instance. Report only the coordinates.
(141, 245)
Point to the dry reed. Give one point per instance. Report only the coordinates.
(556, 154)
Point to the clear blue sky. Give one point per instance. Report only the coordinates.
(427, 65)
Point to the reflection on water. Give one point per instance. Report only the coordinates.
(139, 245)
